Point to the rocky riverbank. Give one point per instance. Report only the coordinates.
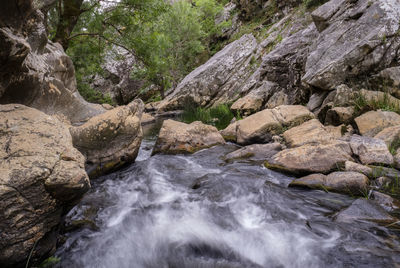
(317, 95)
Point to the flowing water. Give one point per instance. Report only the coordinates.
(199, 211)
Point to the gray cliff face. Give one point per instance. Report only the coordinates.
(341, 42)
(35, 71)
(355, 39)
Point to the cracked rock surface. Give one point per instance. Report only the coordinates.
(40, 174)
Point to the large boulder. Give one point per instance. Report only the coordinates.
(216, 80)
(311, 158)
(34, 71)
(177, 137)
(309, 132)
(110, 140)
(356, 38)
(370, 150)
(353, 183)
(261, 126)
(40, 174)
(372, 122)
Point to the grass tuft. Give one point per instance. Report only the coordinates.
(219, 116)
(363, 104)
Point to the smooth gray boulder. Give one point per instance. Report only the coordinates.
(216, 80)
(356, 37)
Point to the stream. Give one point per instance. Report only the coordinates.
(200, 211)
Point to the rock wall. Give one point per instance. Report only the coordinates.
(341, 42)
(34, 71)
(40, 175)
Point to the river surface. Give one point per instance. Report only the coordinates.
(199, 211)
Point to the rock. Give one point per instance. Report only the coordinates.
(339, 115)
(389, 135)
(279, 98)
(316, 100)
(261, 126)
(363, 209)
(355, 167)
(372, 122)
(341, 96)
(110, 140)
(311, 158)
(115, 80)
(370, 150)
(356, 37)
(41, 173)
(339, 131)
(214, 81)
(255, 100)
(309, 132)
(396, 159)
(385, 201)
(147, 119)
(34, 71)
(387, 80)
(177, 137)
(322, 15)
(229, 133)
(255, 152)
(353, 183)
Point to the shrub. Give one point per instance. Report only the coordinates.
(314, 3)
(219, 116)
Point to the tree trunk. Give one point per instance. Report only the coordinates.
(69, 12)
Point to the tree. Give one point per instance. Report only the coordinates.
(166, 38)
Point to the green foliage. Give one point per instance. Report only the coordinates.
(394, 146)
(219, 116)
(49, 262)
(166, 38)
(363, 104)
(92, 95)
(314, 3)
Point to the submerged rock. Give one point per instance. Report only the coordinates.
(177, 137)
(40, 173)
(311, 158)
(343, 182)
(255, 152)
(363, 209)
(110, 140)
